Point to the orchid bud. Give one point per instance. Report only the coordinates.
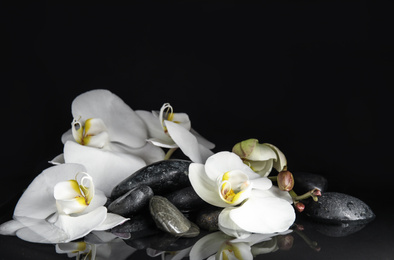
(299, 207)
(285, 181)
(245, 148)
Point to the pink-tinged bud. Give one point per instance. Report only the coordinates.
(317, 192)
(299, 207)
(285, 242)
(285, 181)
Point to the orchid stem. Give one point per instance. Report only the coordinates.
(303, 196)
(273, 178)
(169, 153)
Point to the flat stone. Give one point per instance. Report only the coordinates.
(334, 207)
(208, 218)
(186, 200)
(305, 181)
(132, 201)
(163, 177)
(167, 217)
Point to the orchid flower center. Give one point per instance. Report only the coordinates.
(92, 133)
(166, 113)
(73, 196)
(234, 186)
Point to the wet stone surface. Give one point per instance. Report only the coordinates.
(169, 219)
(163, 177)
(305, 181)
(132, 202)
(186, 200)
(334, 207)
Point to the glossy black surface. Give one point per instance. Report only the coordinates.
(311, 77)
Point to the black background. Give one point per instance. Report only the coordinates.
(311, 77)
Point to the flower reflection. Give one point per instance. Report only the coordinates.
(221, 246)
(96, 246)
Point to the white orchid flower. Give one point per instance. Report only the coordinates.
(260, 157)
(108, 137)
(173, 130)
(60, 205)
(225, 181)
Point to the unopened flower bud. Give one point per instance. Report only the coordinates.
(299, 207)
(285, 181)
(285, 242)
(316, 192)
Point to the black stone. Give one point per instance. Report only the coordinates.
(186, 200)
(167, 217)
(132, 201)
(334, 207)
(163, 177)
(208, 218)
(305, 181)
(138, 223)
(168, 242)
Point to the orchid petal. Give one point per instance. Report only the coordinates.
(149, 152)
(267, 215)
(123, 124)
(10, 227)
(281, 161)
(229, 227)
(263, 168)
(77, 227)
(40, 231)
(57, 160)
(155, 129)
(275, 192)
(261, 152)
(261, 183)
(186, 141)
(38, 201)
(205, 189)
(165, 143)
(112, 220)
(102, 163)
(222, 162)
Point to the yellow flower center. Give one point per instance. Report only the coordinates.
(232, 186)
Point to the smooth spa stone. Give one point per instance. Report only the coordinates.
(305, 181)
(336, 208)
(163, 177)
(169, 219)
(208, 218)
(132, 201)
(186, 200)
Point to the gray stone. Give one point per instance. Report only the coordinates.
(334, 207)
(208, 218)
(163, 177)
(305, 181)
(186, 200)
(167, 217)
(132, 202)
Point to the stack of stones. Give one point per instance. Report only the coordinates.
(160, 199)
(163, 206)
